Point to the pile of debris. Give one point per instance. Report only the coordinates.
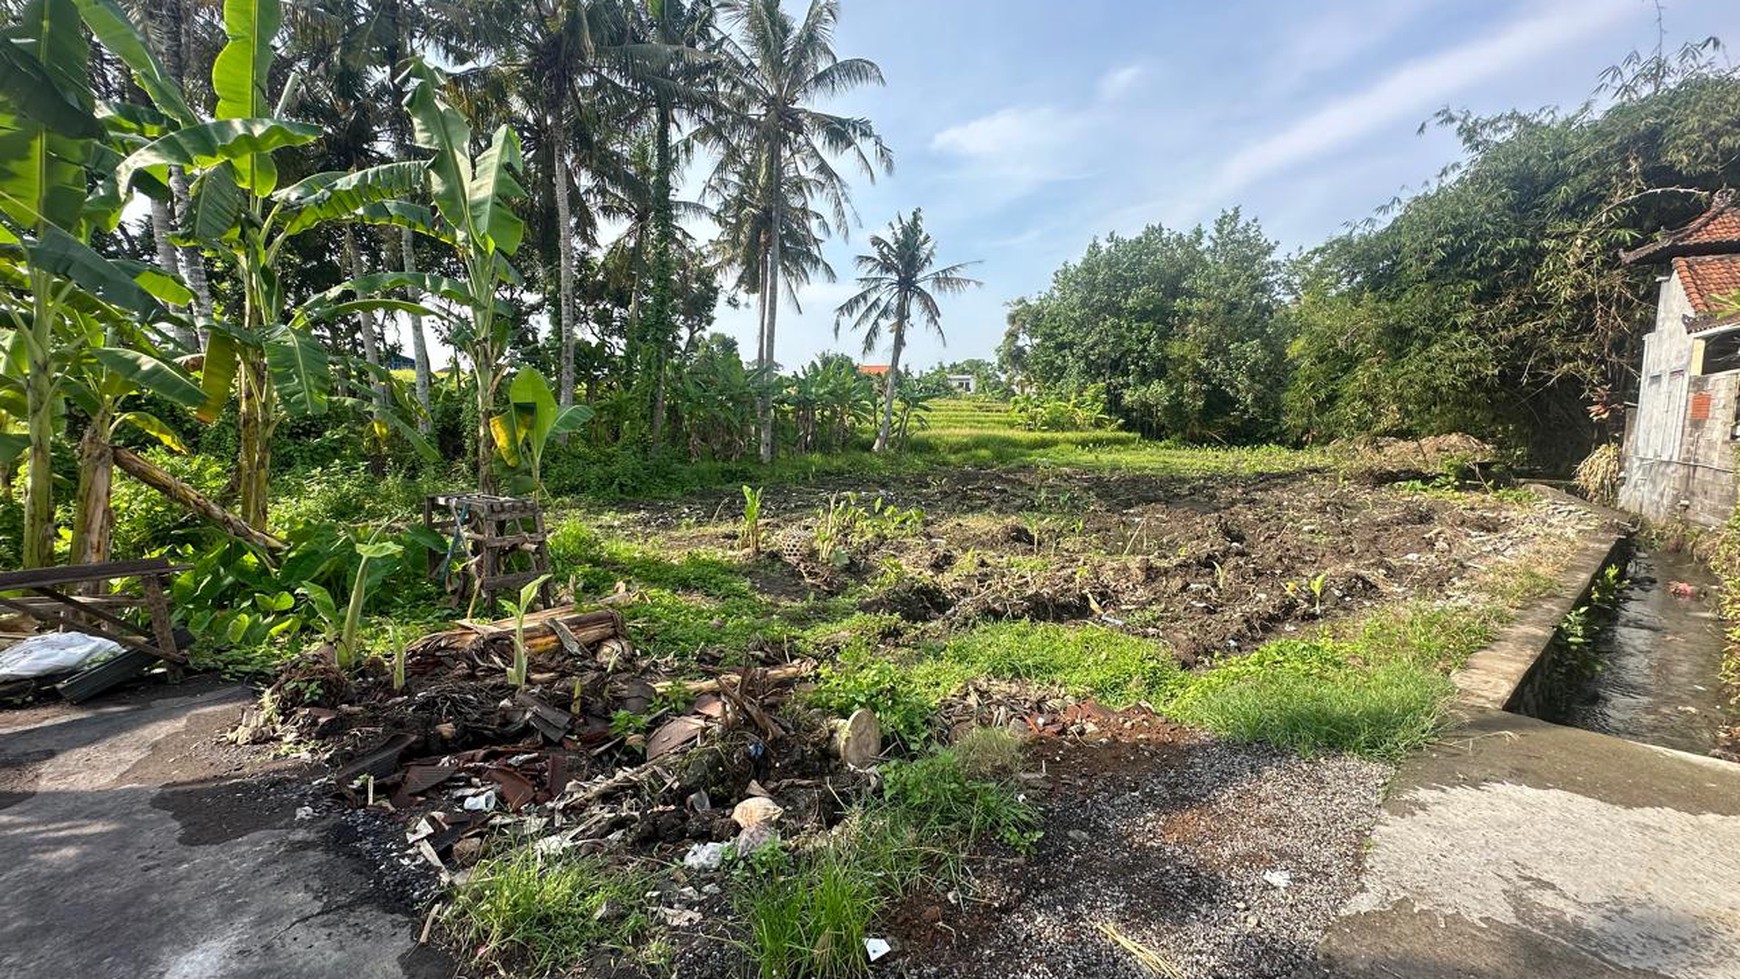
(593, 751)
(1389, 460)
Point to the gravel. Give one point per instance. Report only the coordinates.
(1223, 859)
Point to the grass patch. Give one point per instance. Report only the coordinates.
(541, 915)
(1086, 660)
(1378, 693)
(1374, 688)
(1381, 712)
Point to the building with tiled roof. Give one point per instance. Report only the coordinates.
(1680, 439)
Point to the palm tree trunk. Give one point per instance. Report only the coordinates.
(161, 225)
(366, 320)
(772, 281)
(564, 256)
(419, 343)
(170, 34)
(192, 263)
(888, 387)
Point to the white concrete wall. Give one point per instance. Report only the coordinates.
(1675, 467)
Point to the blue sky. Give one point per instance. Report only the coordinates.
(1025, 128)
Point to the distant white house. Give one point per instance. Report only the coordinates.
(1679, 458)
(964, 383)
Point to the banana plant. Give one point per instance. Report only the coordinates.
(472, 215)
(57, 294)
(533, 420)
(265, 352)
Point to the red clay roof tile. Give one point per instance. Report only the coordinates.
(1708, 278)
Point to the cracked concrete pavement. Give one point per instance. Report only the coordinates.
(134, 844)
(1521, 848)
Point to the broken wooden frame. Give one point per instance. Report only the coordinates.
(498, 542)
(49, 601)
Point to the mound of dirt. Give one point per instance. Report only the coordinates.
(1389, 460)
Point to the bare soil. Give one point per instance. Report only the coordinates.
(1212, 567)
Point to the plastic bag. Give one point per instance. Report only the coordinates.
(55, 652)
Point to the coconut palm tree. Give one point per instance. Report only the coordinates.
(564, 72)
(898, 280)
(776, 151)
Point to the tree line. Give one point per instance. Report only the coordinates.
(211, 213)
(1493, 302)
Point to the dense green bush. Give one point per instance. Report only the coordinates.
(1180, 327)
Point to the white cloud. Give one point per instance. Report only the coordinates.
(1326, 39)
(1011, 130)
(1414, 88)
(1119, 80)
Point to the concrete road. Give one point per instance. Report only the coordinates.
(135, 845)
(1518, 848)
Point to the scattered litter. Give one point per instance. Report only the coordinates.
(677, 733)
(304, 813)
(1278, 879)
(755, 810)
(757, 838)
(705, 856)
(1682, 589)
(1147, 958)
(680, 917)
(858, 739)
(430, 855)
(876, 948)
(55, 652)
(481, 802)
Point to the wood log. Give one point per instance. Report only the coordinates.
(195, 501)
(776, 674)
(590, 628)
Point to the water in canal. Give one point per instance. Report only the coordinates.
(1650, 671)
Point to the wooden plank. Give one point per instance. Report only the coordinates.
(498, 582)
(71, 574)
(157, 607)
(95, 613)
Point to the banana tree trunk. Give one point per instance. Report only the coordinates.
(888, 387)
(254, 428)
(191, 499)
(39, 412)
(485, 446)
(564, 260)
(94, 519)
(419, 342)
(365, 322)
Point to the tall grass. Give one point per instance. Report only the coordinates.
(535, 915)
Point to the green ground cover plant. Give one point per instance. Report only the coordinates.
(538, 915)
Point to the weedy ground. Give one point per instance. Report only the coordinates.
(1173, 665)
(1262, 598)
